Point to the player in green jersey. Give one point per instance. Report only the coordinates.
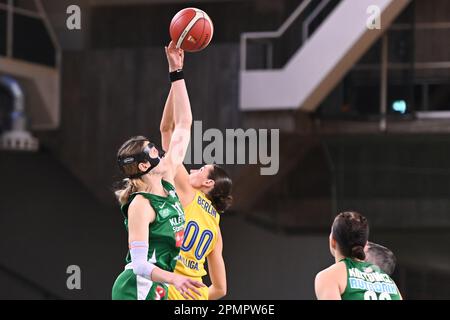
(152, 210)
(352, 278)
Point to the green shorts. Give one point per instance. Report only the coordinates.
(129, 286)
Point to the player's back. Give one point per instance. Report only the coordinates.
(366, 281)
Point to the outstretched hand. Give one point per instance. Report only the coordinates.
(175, 57)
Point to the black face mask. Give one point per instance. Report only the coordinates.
(141, 157)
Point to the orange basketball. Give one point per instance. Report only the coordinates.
(191, 29)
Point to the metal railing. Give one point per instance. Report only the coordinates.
(272, 35)
(269, 34)
(312, 17)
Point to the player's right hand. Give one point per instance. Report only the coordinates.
(175, 57)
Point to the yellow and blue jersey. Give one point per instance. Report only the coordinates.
(200, 237)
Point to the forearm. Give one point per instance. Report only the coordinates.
(167, 123)
(182, 114)
(160, 275)
(215, 293)
(217, 272)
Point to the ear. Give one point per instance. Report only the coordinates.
(332, 242)
(143, 166)
(209, 183)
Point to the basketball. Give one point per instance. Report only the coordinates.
(191, 29)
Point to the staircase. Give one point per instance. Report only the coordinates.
(320, 63)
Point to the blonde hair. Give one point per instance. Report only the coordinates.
(131, 186)
(131, 146)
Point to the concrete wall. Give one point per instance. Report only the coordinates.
(396, 181)
(48, 221)
(264, 265)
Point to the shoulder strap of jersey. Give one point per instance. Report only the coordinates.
(167, 185)
(347, 262)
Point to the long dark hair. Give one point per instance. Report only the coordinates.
(351, 231)
(220, 195)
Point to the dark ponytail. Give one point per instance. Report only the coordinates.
(220, 195)
(351, 232)
(358, 253)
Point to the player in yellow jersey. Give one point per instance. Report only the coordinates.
(204, 195)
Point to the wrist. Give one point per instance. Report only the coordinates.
(171, 278)
(172, 69)
(176, 75)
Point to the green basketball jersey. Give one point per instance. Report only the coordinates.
(166, 232)
(366, 281)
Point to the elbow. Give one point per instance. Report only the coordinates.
(221, 292)
(138, 270)
(143, 269)
(166, 128)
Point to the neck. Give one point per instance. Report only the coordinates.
(338, 256)
(153, 183)
(205, 190)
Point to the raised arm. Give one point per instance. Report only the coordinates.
(167, 124)
(182, 115)
(167, 128)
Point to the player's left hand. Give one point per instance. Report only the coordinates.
(185, 285)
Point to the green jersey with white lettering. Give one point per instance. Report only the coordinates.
(166, 234)
(366, 281)
(166, 231)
